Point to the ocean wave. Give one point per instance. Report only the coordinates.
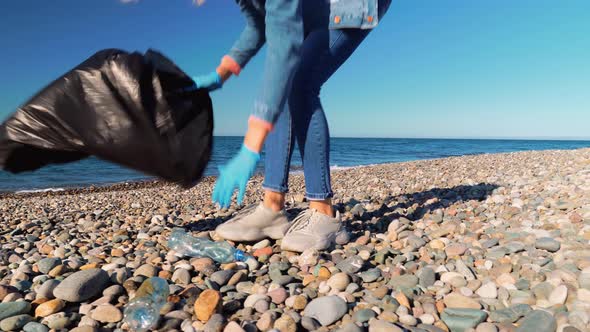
(341, 168)
(39, 190)
(299, 169)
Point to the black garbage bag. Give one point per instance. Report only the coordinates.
(136, 110)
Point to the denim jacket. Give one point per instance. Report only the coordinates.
(353, 14)
(279, 24)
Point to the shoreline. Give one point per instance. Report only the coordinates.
(158, 183)
(151, 182)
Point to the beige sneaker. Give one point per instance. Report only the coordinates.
(311, 229)
(254, 224)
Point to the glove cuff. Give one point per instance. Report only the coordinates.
(218, 81)
(253, 155)
(213, 80)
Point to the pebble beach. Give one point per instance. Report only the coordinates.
(485, 243)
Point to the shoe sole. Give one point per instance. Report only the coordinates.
(274, 232)
(322, 245)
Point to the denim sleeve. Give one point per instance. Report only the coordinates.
(284, 37)
(252, 37)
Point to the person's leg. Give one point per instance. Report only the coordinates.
(316, 227)
(329, 50)
(268, 219)
(324, 51)
(278, 150)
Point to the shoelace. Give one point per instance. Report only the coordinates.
(301, 221)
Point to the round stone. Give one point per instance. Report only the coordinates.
(15, 323)
(326, 309)
(364, 315)
(408, 320)
(547, 243)
(486, 327)
(207, 304)
(427, 319)
(47, 264)
(146, 270)
(427, 277)
(339, 281)
(261, 306)
(538, 321)
(285, 324)
(222, 277)
(455, 249)
(35, 327)
(113, 291)
(461, 319)
(10, 309)
(456, 300)
(371, 275)
(252, 299)
(107, 313)
(278, 295)
(48, 308)
(404, 281)
(488, 290)
(233, 327)
(181, 277)
(558, 295)
(82, 285)
(46, 289)
(310, 324)
(380, 326)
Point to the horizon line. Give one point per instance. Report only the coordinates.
(483, 138)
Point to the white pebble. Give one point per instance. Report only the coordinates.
(558, 295)
(466, 291)
(427, 319)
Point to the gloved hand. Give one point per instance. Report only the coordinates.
(211, 81)
(235, 174)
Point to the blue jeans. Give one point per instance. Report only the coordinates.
(303, 120)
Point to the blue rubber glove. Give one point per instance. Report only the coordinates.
(211, 81)
(235, 174)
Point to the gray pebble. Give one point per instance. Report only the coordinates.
(326, 309)
(222, 277)
(364, 315)
(47, 264)
(46, 289)
(547, 243)
(35, 327)
(371, 275)
(82, 285)
(10, 309)
(15, 322)
(310, 324)
(427, 277)
(538, 321)
(215, 323)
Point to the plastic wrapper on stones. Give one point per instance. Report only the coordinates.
(136, 110)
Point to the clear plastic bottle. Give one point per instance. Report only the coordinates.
(186, 245)
(143, 311)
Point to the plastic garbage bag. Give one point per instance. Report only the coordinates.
(137, 110)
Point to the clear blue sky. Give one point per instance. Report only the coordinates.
(458, 68)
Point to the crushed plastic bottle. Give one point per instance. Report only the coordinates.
(186, 245)
(143, 311)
